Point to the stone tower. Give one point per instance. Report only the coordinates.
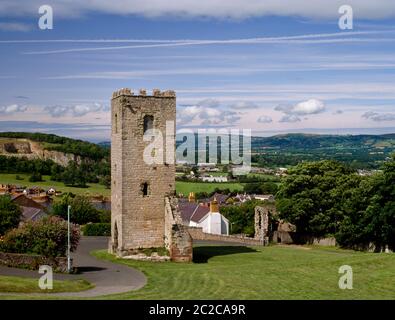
(138, 189)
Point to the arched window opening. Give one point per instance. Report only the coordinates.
(148, 123)
(145, 189)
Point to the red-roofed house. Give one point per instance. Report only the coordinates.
(31, 210)
(206, 217)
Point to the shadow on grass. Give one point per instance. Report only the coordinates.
(204, 253)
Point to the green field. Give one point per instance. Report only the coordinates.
(93, 188)
(274, 272)
(28, 285)
(98, 189)
(186, 187)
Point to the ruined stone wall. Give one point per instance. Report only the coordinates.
(138, 221)
(198, 234)
(33, 262)
(286, 237)
(177, 238)
(262, 220)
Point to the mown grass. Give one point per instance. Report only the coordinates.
(274, 272)
(10, 284)
(92, 188)
(185, 187)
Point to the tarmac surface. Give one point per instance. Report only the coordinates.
(107, 277)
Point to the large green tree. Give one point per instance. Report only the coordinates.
(370, 212)
(310, 195)
(10, 214)
(241, 217)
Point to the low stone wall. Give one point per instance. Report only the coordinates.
(198, 234)
(142, 257)
(287, 237)
(33, 262)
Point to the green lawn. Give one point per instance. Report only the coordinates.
(186, 187)
(28, 285)
(274, 272)
(93, 188)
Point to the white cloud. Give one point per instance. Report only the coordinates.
(13, 108)
(292, 118)
(312, 106)
(57, 111)
(327, 38)
(378, 117)
(206, 112)
(14, 26)
(77, 110)
(265, 119)
(304, 108)
(80, 110)
(235, 9)
(239, 105)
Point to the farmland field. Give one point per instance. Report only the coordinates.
(92, 189)
(186, 187)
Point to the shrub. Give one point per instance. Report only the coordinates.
(97, 229)
(47, 237)
(36, 177)
(10, 214)
(105, 216)
(82, 211)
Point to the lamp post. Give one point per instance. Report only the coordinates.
(68, 240)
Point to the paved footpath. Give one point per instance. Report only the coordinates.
(107, 277)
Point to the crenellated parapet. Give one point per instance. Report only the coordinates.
(143, 93)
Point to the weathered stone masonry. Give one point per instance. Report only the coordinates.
(144, 211)
(139, 190)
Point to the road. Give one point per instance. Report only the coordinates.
(107, 277)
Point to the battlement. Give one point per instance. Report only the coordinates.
(156, 93)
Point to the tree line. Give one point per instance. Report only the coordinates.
(74, 174)
(328, 198)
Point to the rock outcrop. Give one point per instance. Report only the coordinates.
(34, 150)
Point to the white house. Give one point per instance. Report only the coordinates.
(214, 179)
(264, 197)
(207, 218)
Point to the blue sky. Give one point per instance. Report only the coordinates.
(280, 67)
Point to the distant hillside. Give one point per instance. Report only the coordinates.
(105, 144)
(311, 141)
(49, 147)
(359, 151)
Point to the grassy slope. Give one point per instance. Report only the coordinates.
(269, 273)
(93, 189)
(28, 285)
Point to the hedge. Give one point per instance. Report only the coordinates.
(97, 229)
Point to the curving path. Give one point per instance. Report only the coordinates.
(108, 277)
